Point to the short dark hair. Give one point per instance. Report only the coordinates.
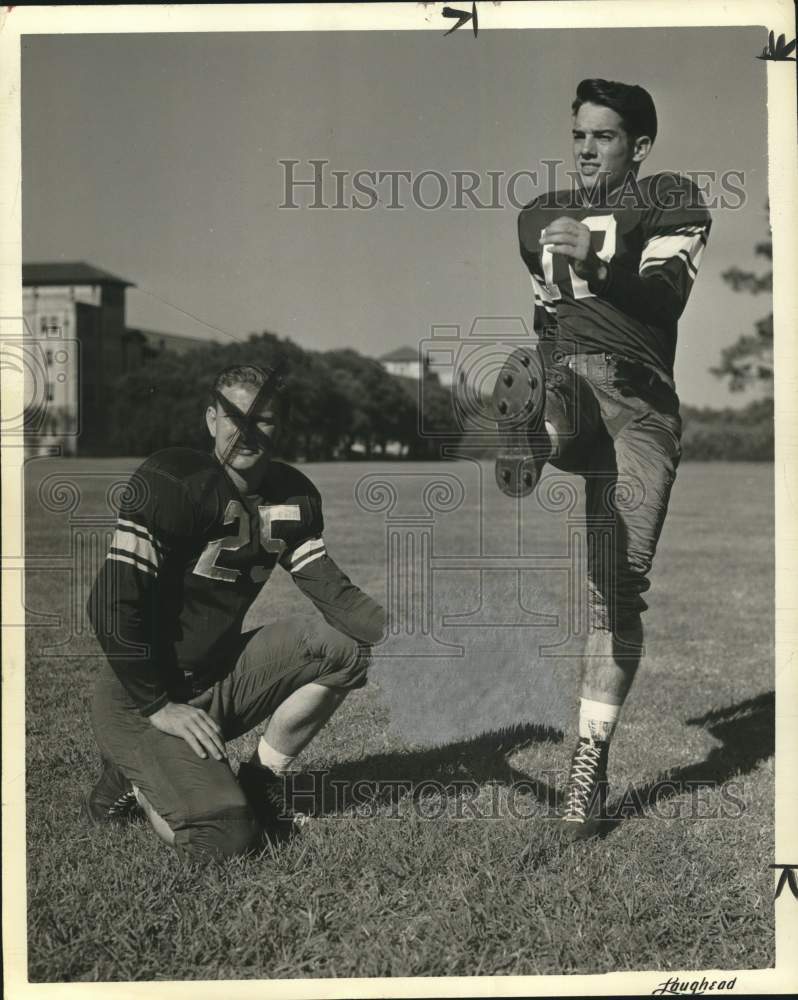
(632, 103)
(255, 376)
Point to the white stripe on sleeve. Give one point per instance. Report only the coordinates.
(145, 532)
(660, 249)
(305, 549)
(139, 564)
(135, 545)
(307, 560)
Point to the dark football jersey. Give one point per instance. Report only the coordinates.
(651, 235)
(189, 556)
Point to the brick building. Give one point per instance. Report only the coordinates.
(77, 343)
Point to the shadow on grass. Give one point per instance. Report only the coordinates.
(747, 737)
(383, 779)
(746, 732)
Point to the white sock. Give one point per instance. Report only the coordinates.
(278, 762)
(597, 719)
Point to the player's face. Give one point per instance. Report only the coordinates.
(603, 151)
(242, 452)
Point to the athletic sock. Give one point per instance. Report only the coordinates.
(279, 763)
(597, 720)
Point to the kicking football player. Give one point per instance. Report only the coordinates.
(612, 263)
(197, 539)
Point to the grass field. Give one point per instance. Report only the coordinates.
(427, 881)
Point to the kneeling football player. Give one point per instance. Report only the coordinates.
(195, 542)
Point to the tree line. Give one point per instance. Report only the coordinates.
(345, 405)
(342, 405)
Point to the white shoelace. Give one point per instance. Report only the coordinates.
(122, 805)
(584, 773)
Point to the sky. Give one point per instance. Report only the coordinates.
(157, 157)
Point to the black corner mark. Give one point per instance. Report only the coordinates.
(463, 17)
(788, 876)
(778, 50)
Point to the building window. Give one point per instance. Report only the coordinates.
(51, 326)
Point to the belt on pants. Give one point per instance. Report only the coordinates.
(597, 363)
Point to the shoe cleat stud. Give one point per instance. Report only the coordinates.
(519, 406)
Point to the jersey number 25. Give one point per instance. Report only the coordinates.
(268, 513)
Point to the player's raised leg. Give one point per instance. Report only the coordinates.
(544, 413)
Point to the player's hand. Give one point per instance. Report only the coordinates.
(194, 725)
(572, 239)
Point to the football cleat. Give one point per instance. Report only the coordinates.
(112, 800)
(269, 796)
(586, 797)
(519, 402)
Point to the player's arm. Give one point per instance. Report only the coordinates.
(658, 291)
(123, 605)
(344, 605)
(126, 602)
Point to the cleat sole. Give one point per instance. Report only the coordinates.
(519, 400)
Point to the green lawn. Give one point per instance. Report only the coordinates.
(396, 878)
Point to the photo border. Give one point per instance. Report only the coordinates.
(772, 15)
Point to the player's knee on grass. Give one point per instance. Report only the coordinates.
(228, 834)
(197, 801)
(342, 662)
